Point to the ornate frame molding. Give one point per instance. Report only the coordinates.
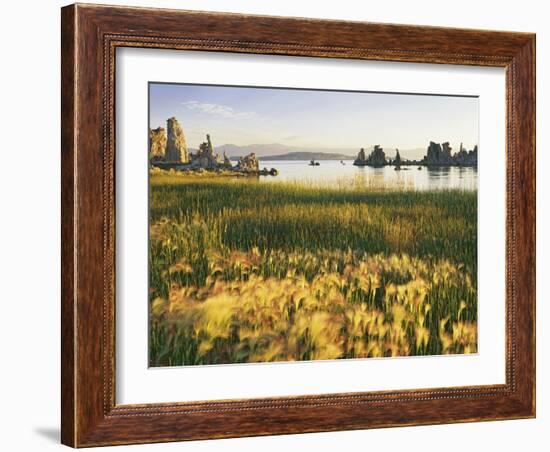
(90, 37)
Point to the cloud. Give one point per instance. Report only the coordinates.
(291, 137)
(222, 111)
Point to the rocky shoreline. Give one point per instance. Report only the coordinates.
(169, 151)
(437, 155)
(185, 168)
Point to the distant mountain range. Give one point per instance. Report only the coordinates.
(277, 151)
(305, 156)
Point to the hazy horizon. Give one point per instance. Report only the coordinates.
(314, 119)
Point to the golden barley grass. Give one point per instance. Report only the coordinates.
(242, 271)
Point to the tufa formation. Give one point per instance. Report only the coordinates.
(466, 158)
(377, 157)
(248, 163)
(205, 157)
(157, 143)
(176, 148)
(436, 155)
(397, 159)
(168, 150)
(440, 155)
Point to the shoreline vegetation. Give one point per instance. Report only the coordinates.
(242, 272)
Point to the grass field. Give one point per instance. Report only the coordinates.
(242, 271)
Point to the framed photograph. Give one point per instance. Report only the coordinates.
(282, 225)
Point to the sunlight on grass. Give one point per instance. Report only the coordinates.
(242, 271)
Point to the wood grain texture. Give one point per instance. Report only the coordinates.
(90, 36)
(68, 245)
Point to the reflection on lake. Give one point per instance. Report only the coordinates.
(333, 173)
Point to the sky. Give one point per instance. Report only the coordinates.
(313, 118)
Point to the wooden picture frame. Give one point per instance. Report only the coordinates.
(90, 35)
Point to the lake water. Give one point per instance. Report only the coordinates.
(333, 173)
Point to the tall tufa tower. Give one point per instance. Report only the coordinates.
(176, 147)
